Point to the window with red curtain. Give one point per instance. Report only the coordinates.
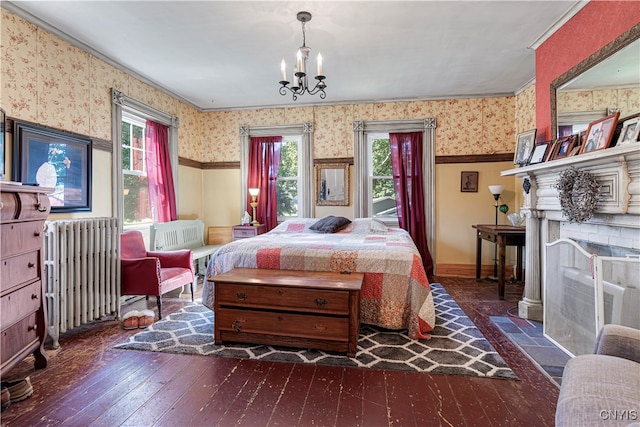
(159, 172)
(264, 162)
(406, 160)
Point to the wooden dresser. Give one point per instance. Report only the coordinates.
(306, 309)
(23, 320)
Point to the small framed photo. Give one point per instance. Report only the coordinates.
(630, 131)
(599, 134)
(539, 153)
(524, 147)
(563, 147)
(469, 182)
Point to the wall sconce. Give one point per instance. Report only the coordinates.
(253, 192)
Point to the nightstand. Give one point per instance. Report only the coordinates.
(246, 231)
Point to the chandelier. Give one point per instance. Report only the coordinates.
(300, 84)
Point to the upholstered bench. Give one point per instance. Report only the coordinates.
(183, 234)
(603, 388)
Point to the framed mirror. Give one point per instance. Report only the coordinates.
(332, 184)
(614, 67)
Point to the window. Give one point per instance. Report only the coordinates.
(295, 186)
(137, 209)
(382, 200)
(288, 182)
(129, 119)
(373, 183)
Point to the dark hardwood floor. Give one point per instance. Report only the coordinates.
(87, 382)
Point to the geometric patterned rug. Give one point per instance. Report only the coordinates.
(456, 346)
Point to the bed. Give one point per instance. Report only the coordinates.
(395, 292)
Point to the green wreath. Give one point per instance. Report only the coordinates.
(578, 192)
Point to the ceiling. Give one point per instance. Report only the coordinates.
(219, 55)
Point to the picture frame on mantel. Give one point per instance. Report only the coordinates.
(599, 134)
(630, 131)
(54, 159)
(525, 143)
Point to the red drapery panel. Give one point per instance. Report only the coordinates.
(264, 162)
(162, 195)
(406, 161)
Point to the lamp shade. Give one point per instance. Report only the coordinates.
(496, 190)
(253, 192)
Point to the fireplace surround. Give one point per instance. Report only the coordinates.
(615, 223)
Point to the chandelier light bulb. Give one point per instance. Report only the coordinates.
(283, 70)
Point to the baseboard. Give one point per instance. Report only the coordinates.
(469, 270)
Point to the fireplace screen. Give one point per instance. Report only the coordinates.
(584, 291)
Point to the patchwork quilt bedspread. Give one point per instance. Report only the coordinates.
(395, 292)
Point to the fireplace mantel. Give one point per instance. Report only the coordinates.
(617, 171)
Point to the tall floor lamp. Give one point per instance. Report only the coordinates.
(496, 190)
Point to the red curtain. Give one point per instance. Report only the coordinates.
(264, 162)
(406, 161)
(162, 195)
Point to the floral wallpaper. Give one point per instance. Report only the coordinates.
(48, 81)
(525, 110)
(627, 100)
(464, 126)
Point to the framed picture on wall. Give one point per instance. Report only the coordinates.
(599, 134)
(54, 159)
(2, 150)
(469, 182)
(524, 147)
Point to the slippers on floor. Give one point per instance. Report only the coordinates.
(131, 320)
(146, 318)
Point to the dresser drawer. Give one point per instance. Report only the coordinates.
(17, 304)
(19, 269)
(283, 298)
(21, 237)
(18, 337)
(293, 325)
(24, 205)
(243, 233)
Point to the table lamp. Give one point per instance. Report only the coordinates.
(253, 192)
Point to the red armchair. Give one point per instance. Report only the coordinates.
(153, 272)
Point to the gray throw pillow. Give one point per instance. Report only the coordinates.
(330, 224)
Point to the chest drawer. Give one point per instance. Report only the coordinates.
(21, 237)
(15, 305)
(15, 339)
(283, 324)
(19, 269)
(283, 298)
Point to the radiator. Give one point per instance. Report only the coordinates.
(82, 272)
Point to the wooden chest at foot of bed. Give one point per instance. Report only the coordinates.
(304, 309)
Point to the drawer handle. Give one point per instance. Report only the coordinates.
(34, 296)
(31, 265)
(236, 326)
(39, 205)
(241, 296)
(36, 234)
(321, 302)
(32, 328)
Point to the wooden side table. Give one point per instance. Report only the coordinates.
(503, 236)
(246, 231)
